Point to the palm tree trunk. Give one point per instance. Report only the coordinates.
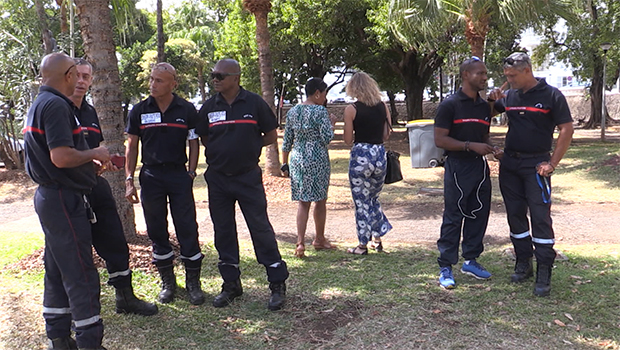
(96, 27)
(260, 9)
(161, 41)
(45, 33)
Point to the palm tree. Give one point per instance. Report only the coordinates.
(96, 28)
(260, 9)
(477, 14)
(46, 34)
(161, 40)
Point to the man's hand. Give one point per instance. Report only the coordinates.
(481, 148)
(545, 169)
(498, 153)
(130, 192)
(101, 154)
(496, 94)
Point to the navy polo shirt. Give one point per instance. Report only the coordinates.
(87, 115)
(51, 124)
(466, 118)
(163, 135)
(234, 132)
(532, 117)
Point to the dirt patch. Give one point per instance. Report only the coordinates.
(320, 322)
(140, 256)
(612, 162)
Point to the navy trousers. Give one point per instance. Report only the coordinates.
(246, 189)
(160, 184)
(108, 235)
(467, 203)
(71, 280)
(522, 191)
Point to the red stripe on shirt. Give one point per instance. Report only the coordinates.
(33, 129)
(155, 125)
(529, 109)
(238, 121)
(471, 120)
(90, 128)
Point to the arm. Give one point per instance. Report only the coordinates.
(131, 159)
(68, 157)
(387, 130)
(349, 117)
(194, 151)
(270, 137)
(564, 139)
(442, 140)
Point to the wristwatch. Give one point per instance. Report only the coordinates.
(130, 177)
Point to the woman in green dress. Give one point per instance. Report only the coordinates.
(307, 133)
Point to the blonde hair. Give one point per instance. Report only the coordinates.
(364, 88)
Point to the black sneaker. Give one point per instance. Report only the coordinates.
(278, 296)
(230, 290)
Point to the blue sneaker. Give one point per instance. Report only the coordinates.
(446, 280)
(472, 268)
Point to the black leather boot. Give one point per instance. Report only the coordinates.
(128, 303)
(169, 284)
(230, 290)
(278, 296)
(66, 343)
(523, 270)
(192, 284)
(543, 280)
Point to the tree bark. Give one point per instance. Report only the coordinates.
(95, 23)
(46, 35)
(416, 70)
(393, 110)
(161, 40)
(272, 161)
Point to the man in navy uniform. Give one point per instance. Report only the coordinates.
(108, 236)
(164, 123)
(462, 130)
(60, 161)
(534, 110)
(234, 125)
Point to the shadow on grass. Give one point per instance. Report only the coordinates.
(340, 301)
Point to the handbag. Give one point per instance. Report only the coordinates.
(393, 173)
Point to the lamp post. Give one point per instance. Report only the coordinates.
(605, 46)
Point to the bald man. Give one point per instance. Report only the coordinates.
(60, 161)
(165, 123)
(234, 125)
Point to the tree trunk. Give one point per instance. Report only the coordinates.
(161, 40)
(48, 43)
(272, 162)
(596, 94)
(202, 83)
(416, 71)
(95, 23)
(393, 110)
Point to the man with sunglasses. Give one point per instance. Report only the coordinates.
(60, 161)
(165, 124)
(462, 130)
(534, 110)
(234, 126)
(108, 236)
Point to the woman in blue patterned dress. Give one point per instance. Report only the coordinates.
(365, 126)
(307, 133)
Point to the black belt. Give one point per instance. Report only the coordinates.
(237, 173)
(55, 186)
(525, 155)
(166, 165)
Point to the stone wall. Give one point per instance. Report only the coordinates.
(579, 106)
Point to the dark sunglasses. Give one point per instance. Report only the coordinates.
(222, 76)
(509, 61)
(68, 69)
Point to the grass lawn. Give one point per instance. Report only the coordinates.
(384, 301)
(338, 301)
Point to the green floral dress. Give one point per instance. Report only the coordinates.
(307, 133)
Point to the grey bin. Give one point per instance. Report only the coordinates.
(424, 153)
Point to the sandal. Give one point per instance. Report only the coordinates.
(359, 250)
(378, 246)
(300, 250)
(326, 245)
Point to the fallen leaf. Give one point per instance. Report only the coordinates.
(576, 277)
(569, 316)
(559, 323)
(567, 342)
(436, 311)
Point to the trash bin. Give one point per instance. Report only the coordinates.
(424, 153)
